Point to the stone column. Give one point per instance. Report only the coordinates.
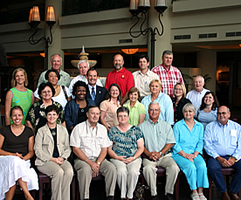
(162, 43)
(55, 47)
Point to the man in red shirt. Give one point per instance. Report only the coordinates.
(120, 76)
(169, 75)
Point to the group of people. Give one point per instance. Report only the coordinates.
(144, 118)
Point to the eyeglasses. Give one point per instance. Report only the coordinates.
(222, 113)
(153, 110)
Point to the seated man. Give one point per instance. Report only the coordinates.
(90, 141)
(158, 140)
(222, 142)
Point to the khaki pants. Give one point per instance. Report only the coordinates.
(61, 177)
(149, 172)
(127, 176)
(84, 176)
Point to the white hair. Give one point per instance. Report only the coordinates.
(82, 61)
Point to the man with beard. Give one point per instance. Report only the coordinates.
(120, 76)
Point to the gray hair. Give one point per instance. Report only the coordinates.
(199, 76)
(82, 61)
(168, 52)
(154, 103)
(189, 105)
(56, 55)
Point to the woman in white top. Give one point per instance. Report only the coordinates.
(62, 94)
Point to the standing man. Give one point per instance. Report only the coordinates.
(90, 141)
(95, 92)
(196, 95)
(158, 140)
(121, 77)
(169, 75)
(56, 62)
(83, 67)
(144, 76)
(222, 142)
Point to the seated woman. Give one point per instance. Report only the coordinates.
(75, 111)
(62, 94)
(36, 116)
(179, 100)
(137, 109)
(187, 152)
(127, 147)
(16, 150)
(52, 150)
(208, 109)
(108, 107)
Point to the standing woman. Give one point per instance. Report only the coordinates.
(18, 94)
(16, 150)
(179, 100)
(36, 116)
(75, 111)
(62, 94)
(125, 151)
(187, 152)
(108, 107)
(208, 109)
(137, 110)
(52, 150)
(163, 99)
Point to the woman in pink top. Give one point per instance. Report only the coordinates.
(108, 107)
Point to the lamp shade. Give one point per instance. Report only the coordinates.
(30, 15)
(144, 5)
(160, 6)
(130, 51)
(50, 16)
(35, 14)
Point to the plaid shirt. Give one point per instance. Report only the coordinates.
(168, 78)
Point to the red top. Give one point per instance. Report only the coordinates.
(123, 78)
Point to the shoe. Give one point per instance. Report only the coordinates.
(225, 196)
(201, 196)
(233, 195)
(169, 196)
(154, 197)
(195, 196)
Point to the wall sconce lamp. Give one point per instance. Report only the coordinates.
(34, 21)
(142, 6)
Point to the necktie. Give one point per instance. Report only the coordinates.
(93, 93)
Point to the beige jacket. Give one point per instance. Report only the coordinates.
(44, 144)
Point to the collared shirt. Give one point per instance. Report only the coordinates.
(165, 102)
(169, 78)
(142, 81)
(89, 140)
(186, 140)
(135, 112)
(223, 140)
(157, 135)
(196, 97)
(123, 78)
(84, 79)
(64, 78)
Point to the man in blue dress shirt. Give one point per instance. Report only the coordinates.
(222, 142)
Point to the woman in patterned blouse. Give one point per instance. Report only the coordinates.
(127, 147)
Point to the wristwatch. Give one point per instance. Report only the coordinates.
(161, 154)
(98, 163)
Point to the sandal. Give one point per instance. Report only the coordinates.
(201, 196)
(195, 196)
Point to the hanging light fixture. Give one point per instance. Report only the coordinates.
(129, 51)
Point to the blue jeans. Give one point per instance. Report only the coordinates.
(214, 168)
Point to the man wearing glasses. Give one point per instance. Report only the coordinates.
(222, 142)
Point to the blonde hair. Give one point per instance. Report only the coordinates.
(183, 88)
(13, 81)
(155, 81)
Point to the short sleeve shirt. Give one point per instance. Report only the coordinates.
(125, 144)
